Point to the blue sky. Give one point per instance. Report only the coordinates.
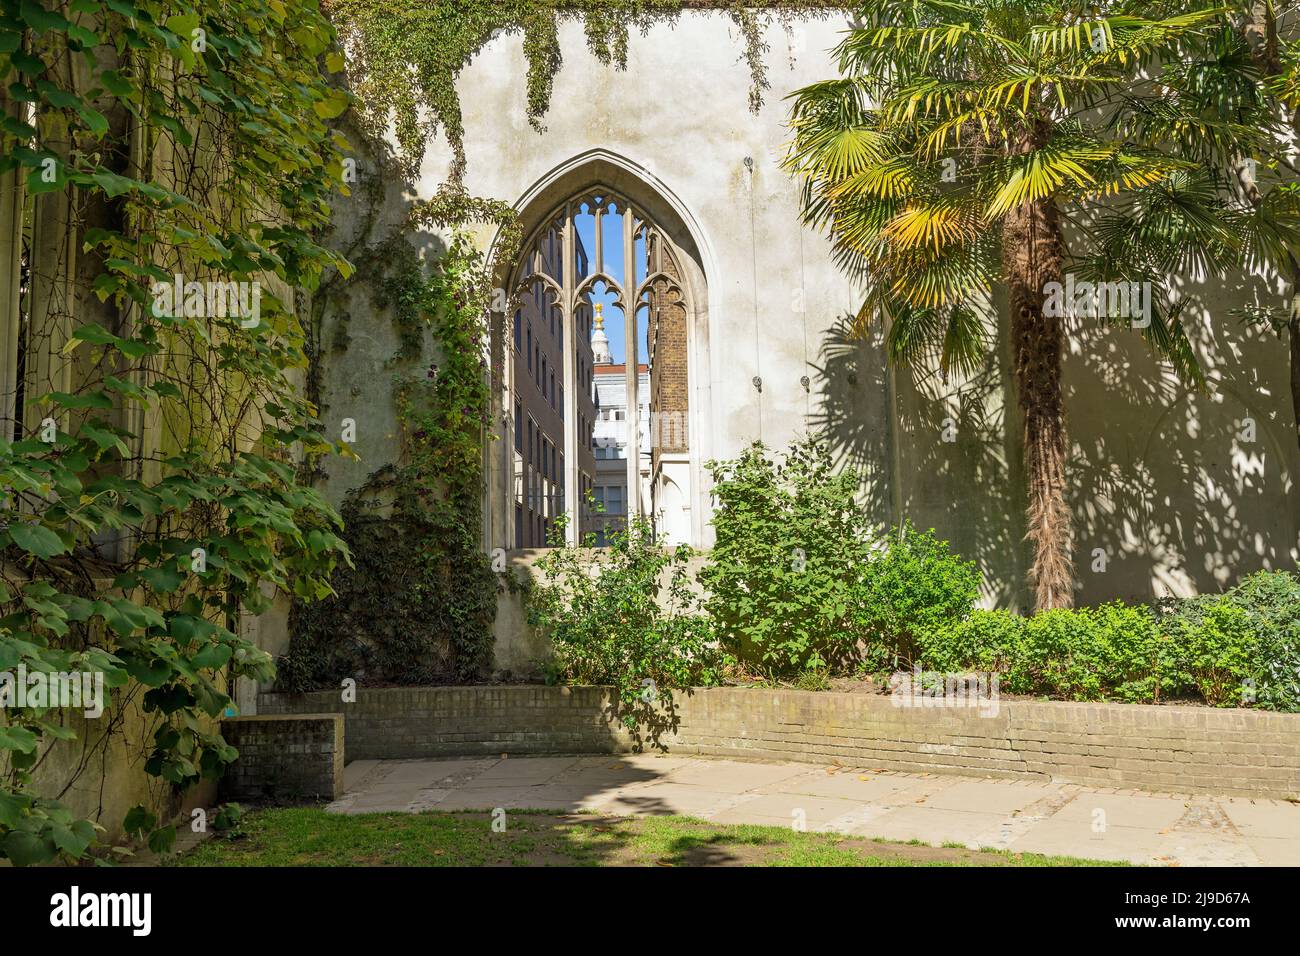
(612, 233)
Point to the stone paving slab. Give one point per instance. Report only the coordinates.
(1077, 838)
(1020, 815)
(788, 809)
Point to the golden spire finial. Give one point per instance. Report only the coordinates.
(600, 320)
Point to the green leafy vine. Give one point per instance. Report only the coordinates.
(405, 55)
(418, 605)
(151, 499)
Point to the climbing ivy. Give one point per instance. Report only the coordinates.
(183, 138)
(419, 602)
(417, 607)
(404, 56)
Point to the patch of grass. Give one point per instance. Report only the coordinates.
(308, 836)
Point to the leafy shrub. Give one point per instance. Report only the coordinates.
(1242, 646)
(1221, 655)
(912, 585)
(1111, 652)
(1062, 655)
(982, 641)
(625, 616)
(1215, 646)
(1142, 660)
(787, 561)
(1271, 601)
(799, 580)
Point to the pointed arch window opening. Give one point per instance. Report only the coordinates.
(576, 273)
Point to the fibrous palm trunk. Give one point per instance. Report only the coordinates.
(1258, 26)
(1032, 252)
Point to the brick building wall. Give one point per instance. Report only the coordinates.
(666, 337)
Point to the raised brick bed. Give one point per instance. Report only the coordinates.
(1170, 749)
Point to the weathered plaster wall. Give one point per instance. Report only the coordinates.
(692, 135)
(1159, 481)
(359, 341)
(100, 775)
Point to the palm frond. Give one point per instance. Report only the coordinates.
(1039, 174)
(933, 225)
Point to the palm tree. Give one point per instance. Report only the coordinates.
(1037, 146)
(1264, 67)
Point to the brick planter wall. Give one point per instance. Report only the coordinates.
(285, 757)
(1169, 749)
(403, 722)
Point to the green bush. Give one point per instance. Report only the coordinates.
(1240, 647)
(790, 546)
(912, 586)
(625, 616)
(1113, 652)
(1215, 647)
(799, 580)
(1221, 655)
(982, 641)
(1106, 653)
(1271, 601)
(1143, 666)
(1063, 655)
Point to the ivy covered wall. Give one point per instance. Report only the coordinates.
(417, 604)
(397, 345)
(149, 499)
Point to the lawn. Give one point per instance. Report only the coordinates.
(308, 836)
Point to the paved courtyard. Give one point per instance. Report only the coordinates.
(1104, 824)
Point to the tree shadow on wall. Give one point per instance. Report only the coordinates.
(1168, 495)
(1176, 489)
(653, 721)
(948, 441)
